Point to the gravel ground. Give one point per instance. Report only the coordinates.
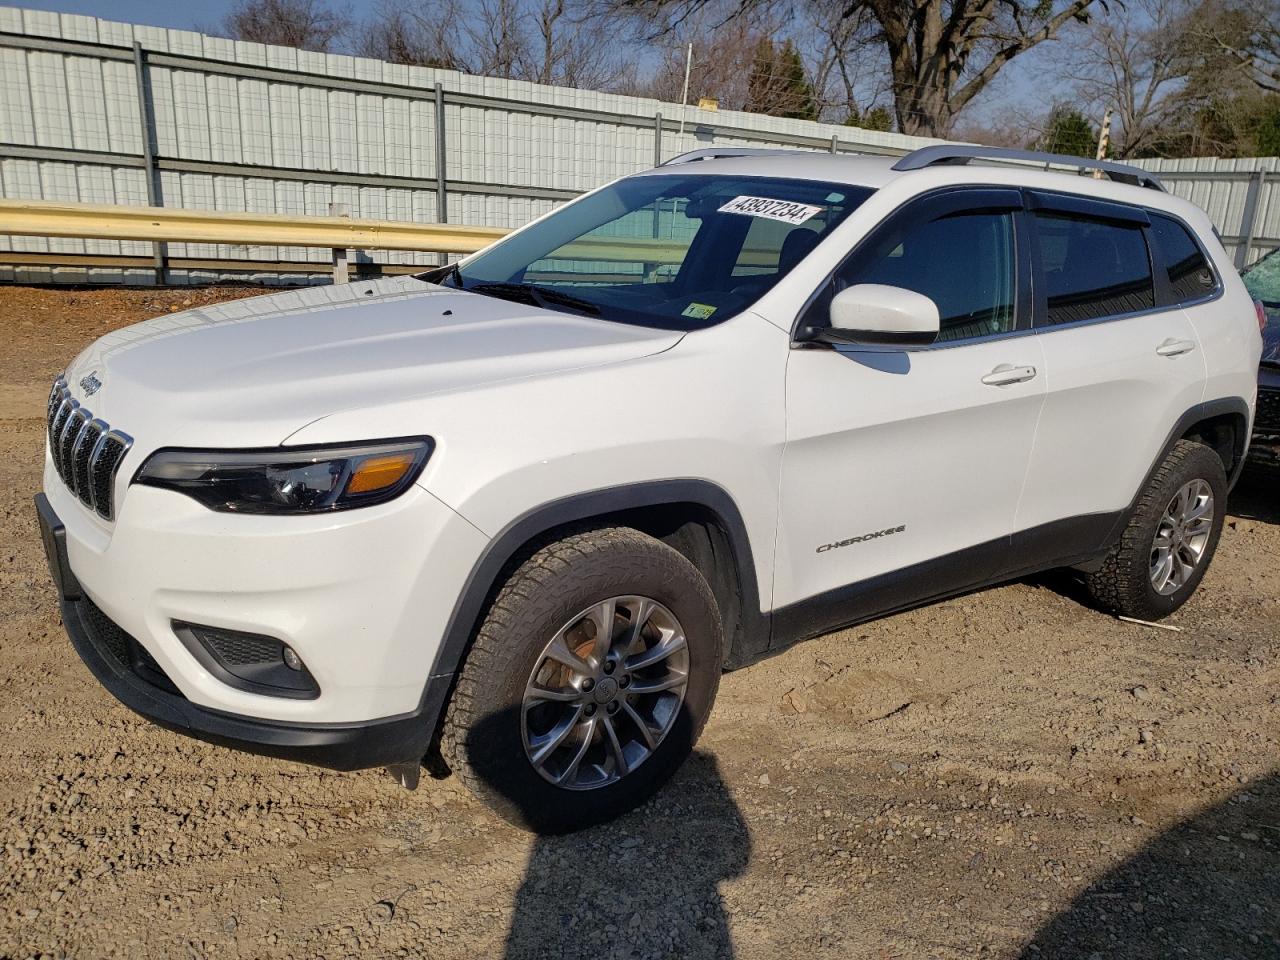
(1008, 774)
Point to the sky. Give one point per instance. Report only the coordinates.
(183, 14)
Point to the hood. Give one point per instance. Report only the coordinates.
(250, 372)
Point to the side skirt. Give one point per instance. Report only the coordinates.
(1062, 543)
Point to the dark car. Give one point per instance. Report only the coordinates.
(1263, 283)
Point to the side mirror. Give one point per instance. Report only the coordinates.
(880, 315)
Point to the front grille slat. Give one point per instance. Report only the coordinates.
(86, 452)
(85, 444)
(67, 444)
(60, 415)
(103, 471)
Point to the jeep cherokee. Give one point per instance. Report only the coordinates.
(515, 516)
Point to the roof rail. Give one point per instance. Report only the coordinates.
(961, 154)
(715, 153)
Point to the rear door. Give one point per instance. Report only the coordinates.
(902, 469)
(1120, 370)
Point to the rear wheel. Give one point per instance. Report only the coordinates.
(588, 683)
(1169, 540)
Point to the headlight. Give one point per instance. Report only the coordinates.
(289, 479)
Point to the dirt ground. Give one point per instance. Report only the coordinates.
(1008, 774)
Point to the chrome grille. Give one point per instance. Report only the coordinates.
(86, 452)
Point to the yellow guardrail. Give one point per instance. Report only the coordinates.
(175, 225)
(160, 224)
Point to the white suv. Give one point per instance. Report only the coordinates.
(514, 517)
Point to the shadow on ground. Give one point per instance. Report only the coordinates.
(1257, 496)
(645, 885)
(1207, 888)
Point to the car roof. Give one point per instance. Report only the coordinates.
(992, 167)
(852, 169)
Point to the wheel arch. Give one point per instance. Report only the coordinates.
(1222, 424)
(696, 517)
(1224, 428)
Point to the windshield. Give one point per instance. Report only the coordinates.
(1262, 280)
(672, 251)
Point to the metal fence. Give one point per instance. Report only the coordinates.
(105, 112)
(113, 113)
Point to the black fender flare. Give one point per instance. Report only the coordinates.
(483, 578)
(1206, 410)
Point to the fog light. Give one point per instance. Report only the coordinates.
(249, 661)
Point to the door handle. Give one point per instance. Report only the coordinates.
(1006, 374)
(1174, 347)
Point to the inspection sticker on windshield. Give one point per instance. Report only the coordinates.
(698, 311)
(783, 210)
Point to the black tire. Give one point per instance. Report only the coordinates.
(482, 739)
(1123, 584)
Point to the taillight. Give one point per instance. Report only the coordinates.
(1262, 315)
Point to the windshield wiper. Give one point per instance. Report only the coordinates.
(441, 274)
(536, 295)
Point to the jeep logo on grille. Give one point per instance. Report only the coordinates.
(90, 384)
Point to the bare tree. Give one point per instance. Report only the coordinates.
(941, 53)
(307, 24)
(420, 37)
(1248, 32)
(545, 41)
(568, 46)
(846, 60)
(1137, 63)
(495, 38)
(723, 51)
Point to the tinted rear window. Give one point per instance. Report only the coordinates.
(1190, 276)
(1093, 268)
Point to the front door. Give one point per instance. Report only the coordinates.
(902, 470)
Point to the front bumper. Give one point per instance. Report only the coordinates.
(133, 676)
(363, 598)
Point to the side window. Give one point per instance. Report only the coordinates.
(1092, 268)
(1190, 276)
(964, 263)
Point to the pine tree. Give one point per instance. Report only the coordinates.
(777, 84)
(874, 118)
(1069, 131)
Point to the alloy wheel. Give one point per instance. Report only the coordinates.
(605, 692)
(1182, 537)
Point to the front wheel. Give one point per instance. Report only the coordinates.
(1170, 538)
(588, 683)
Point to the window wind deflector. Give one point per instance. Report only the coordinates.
(1087, 207)
(536, 295)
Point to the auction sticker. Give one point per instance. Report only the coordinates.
(783, 210)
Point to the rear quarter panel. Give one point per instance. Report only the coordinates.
(1226, 326)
